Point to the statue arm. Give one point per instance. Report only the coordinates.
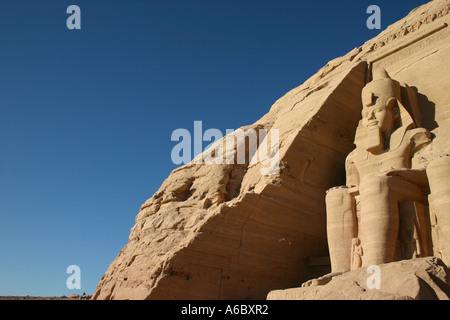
(351, 172)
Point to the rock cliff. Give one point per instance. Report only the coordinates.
(226, 231)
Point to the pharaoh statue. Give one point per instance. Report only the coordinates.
(382, 214)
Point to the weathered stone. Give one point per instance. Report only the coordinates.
(229, 232)
(417, 279)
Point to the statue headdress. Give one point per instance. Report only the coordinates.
(383, 85)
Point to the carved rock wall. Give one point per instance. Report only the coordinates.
(228, 232)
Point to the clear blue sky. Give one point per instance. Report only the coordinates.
(87, 115)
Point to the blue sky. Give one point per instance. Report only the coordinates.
(86, 116)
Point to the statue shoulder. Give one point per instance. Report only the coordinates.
(419, 138)
(353, 155)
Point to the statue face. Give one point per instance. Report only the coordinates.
(379, 112)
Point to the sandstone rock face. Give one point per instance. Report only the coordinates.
(417, 279)
(215, 231)
(227, 231)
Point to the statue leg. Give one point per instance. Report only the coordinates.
(379, 221)
(438, 172)
(341, 228)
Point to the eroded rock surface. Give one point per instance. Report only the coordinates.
(417, 279)
(229, 232)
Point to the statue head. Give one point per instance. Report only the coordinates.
(356, 242)
(380, 112)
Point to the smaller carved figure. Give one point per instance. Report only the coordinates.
(357, 253)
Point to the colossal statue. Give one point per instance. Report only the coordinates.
(381, 215)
